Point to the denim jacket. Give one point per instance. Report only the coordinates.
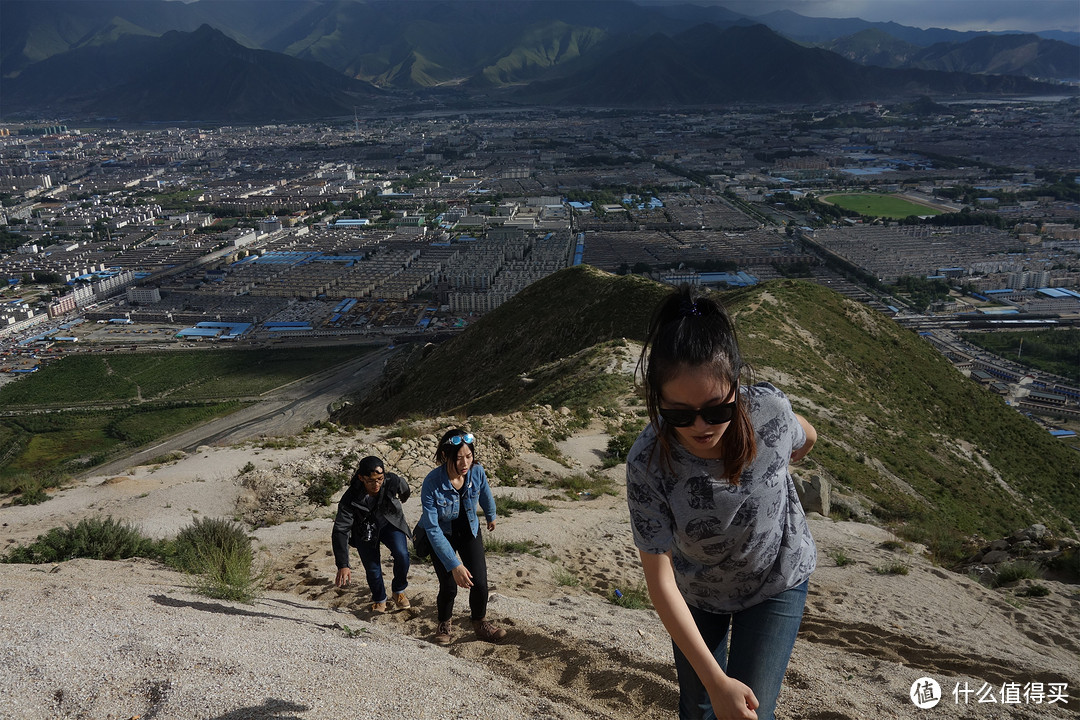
(440, 504)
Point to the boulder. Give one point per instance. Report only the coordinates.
(814, 494)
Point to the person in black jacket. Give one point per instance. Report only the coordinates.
(369, 513)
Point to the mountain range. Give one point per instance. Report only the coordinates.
(708, 66)
(1021, 54)
(199, 75)
(233, 61)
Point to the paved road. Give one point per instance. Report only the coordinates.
(286, 411)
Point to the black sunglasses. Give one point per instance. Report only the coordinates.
(712, 415)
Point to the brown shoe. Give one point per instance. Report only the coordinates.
(401, 601)
(488, 632)
(378, 607)
(443, 636)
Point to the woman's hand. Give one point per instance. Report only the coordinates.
(491, 525)
(462, 576)
(730, 698)
(343, 577)
(733, 700)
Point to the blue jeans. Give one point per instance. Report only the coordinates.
(398, 543)
(762, 638)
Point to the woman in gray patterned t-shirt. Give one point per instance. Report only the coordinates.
(723, 539)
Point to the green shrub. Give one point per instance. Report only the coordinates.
(196, 544)
(582, 486)
(565, 578)
(544, 446)
(946, 545)
(840, 558)
(322, 486)
(284, 443)
(621, 441)
(1017, 570)
(635, 598)
(32, 494)
(895, 508)
(506, 474)
(402, 430)
(1067, 564)
(840, 513)
(1035, 591)
(496, 546)
(165, 459)
(504, 506)
(229, 574)
(96, 538)
(896, 568)
(220, 552)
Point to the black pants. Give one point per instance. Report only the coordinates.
(471, 551)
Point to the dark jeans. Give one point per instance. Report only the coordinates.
(471, 551)
(398, 542)
(762, 638)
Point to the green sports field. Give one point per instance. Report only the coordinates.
(883, 206)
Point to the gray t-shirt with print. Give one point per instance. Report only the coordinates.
(732, 546)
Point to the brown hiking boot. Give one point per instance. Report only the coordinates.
(488, 632)
(401, 601)
(443, 636)
(379, 607)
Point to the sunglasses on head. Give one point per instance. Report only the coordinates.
(712, 415)
(467, 438)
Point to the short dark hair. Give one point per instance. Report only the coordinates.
(367, 466)
(447, 452)
(689, 330)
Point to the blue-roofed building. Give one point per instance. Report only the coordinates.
(296, 326)
(738, 279)
(198, 333)
(1058, 293)
(216, 330)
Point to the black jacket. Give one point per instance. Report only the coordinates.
(350, 513)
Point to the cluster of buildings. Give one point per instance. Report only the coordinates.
(420, 223)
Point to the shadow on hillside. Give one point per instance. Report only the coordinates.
(228, 610)
(269, 710)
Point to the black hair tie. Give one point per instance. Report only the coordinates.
(689, 308)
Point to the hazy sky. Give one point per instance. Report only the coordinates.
(1027, 15)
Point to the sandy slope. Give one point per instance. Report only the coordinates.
(96, 639)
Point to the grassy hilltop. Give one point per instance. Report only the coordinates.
(920, 445)
(546, 345)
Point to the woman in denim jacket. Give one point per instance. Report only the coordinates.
(448, 500)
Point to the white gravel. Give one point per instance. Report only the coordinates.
(130, 640)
